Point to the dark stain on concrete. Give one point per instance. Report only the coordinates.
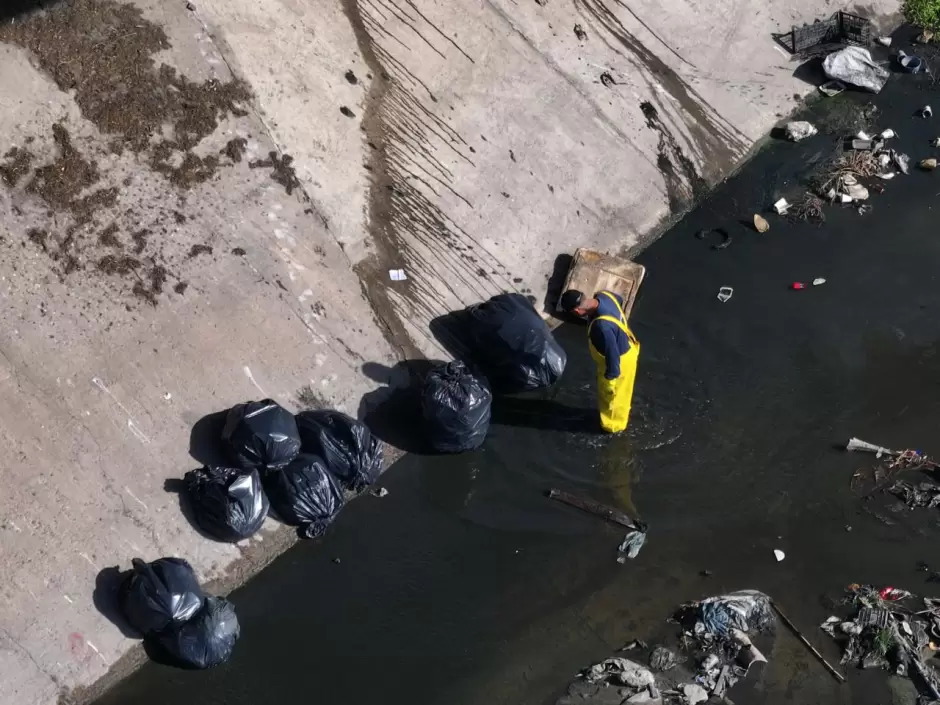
(718, 143)
(683, 182)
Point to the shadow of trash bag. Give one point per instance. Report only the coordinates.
(456, 407)
(159, 594)
(513, 346)
(260, 435)
(350, 450)
(227, 504)
(205, 640)
(304, 494)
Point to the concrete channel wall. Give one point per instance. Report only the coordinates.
(201, 202)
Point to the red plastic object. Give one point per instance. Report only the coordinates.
(797, 285)
(892, 593)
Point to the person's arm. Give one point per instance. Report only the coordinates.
(604, 338)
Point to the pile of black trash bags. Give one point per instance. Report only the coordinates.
(180, 624)
(511, 349)
(298, 467)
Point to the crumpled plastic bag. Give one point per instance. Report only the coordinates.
(745, 610)
(513, 346)
(205, 640)
(456, 406)
(159, 594)
(304, 494)
(261, 435)
(854, 65)
(350, 450)
(228, 504)
(799, 130)
(622, 671)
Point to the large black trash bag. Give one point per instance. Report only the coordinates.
(456, 408)
(350, 450)
(159, 594)
(228, 504)
(205, 640)
(512, 345)
(304, 494)
(261, 434)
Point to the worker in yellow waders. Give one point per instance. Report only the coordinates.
(615, 350)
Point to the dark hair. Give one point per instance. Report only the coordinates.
(570, 300)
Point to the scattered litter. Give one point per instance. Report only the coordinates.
(862, 144)
(580, 33)
(620, 671)
(781, 206)
(832, 88)
(799, 635)
(397, 275)
(797, 286)
(902, 161)
(882, 635)
(926, 494)
(926, 111)
(810, 209)
(862, 135)
(607, 80)
(855, 66)
(662, 659)
(168, 396)
(456, 406)
(779, 555)
(884, 41)
(936, 142)
(888, 134)
(857, 192)
(693, 693)
(924, 37)
(910, 63)
(887, 175)
(845, 198)
(596, 508)
(379, 492)
(864, 209)
(799, 130)
(726, 238)
(818, 280)
(760, 224)
(632, 543)
(725, 293)
(928, 164)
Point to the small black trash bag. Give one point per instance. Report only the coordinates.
(159, 594)
(456, 407)
(304, 494)
(228, 504)
(207, 639)
(261, 434)
(350, 450)
(512, 345)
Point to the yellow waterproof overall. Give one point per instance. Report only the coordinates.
(615, 396)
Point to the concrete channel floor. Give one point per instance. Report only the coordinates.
(465, 585)
(192, 220)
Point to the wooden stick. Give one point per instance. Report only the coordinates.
(596, 508)
(838, 676)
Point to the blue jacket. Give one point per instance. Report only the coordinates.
(606, 337)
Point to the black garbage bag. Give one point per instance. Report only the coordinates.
(159, 594)
(207, 639)
(261, 434)
(456, 407)
(228, 504)
(350, 450)
(512, 345)
(304, 494)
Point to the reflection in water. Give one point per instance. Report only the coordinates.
(618, 466)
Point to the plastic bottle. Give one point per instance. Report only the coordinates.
(797, 285)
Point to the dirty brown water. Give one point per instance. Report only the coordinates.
(466, 586)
